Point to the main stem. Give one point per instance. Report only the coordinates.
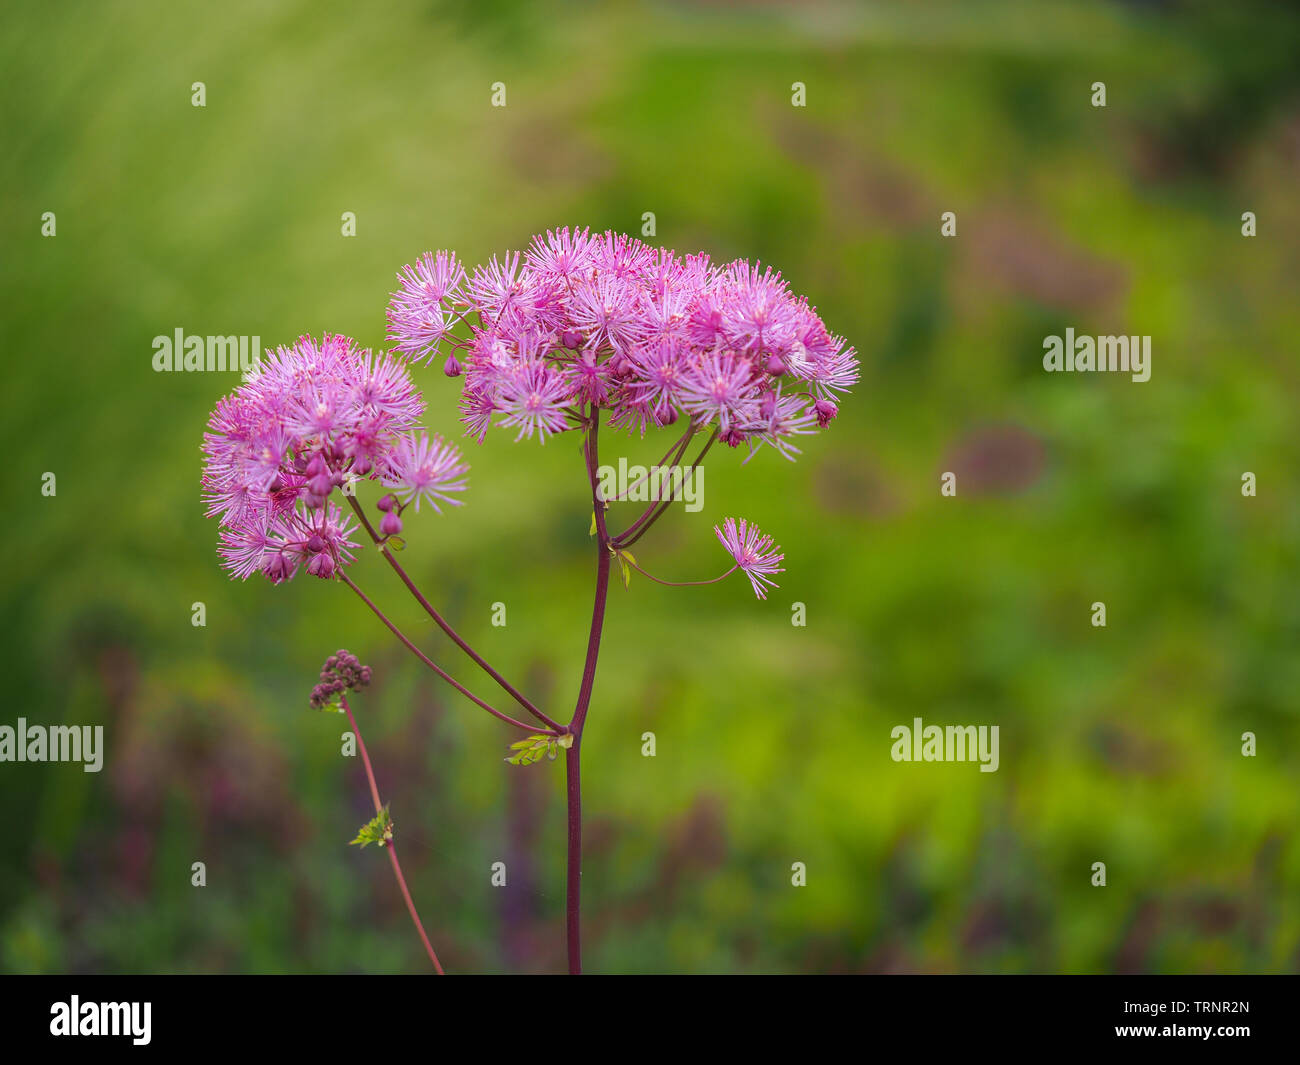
(572, 756)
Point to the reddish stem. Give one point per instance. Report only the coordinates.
(655, 511)
(442, 623)
(432, 664)
(573, 891)
(388, 844)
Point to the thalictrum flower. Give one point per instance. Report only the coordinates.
(588, 320)
(424, 468)
(754, 553)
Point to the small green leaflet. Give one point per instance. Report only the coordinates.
(624, 557)
(396, 543)
(531, 750)
(379, 829)
(592, 530)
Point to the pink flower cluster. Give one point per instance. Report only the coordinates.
(310, 419)
(582, 319)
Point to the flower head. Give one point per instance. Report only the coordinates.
(754, 552)
(425, 468)
(586, 322)
(316, 416)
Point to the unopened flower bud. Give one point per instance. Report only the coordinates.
(321, 565)
(315, 543)
(386, 503)
(451, 367)
(825, 411)
(391, 525)
(776, 366)
(277, 567)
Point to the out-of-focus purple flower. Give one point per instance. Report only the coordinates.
(753, 551)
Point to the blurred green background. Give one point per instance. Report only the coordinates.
(1120, 744)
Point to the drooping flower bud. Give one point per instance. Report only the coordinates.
(277, 567)
(391, 525)
(451, 367)
(386, 503)
(825, 410)
(321, 565)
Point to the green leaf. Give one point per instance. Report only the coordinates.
(627, 571)
(532, 749)
(396, 543)
(379, 829)
(592, 530)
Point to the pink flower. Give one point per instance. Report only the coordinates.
(313, 416)
(533, 398)
(754, 552)
(423, 468)
(419, 312)
(586, 321)
(722, 389)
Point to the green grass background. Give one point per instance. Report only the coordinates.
(1119, 744)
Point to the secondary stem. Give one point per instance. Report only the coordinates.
(655, 511)
(431, 663)
(442, 623)
(392, 850)
(676, 584)
(573, 890)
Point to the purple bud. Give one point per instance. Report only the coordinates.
(825, 410)
(277, 567)
(315, 543)
(316, 466)
(571, 339)
(321, 485)
(451, 367)
(321, 565)
(391, 525)
(776, 366)
(768, 405)
(668, 417)
(386, 503)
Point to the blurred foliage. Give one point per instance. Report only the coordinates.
(1119, 744)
